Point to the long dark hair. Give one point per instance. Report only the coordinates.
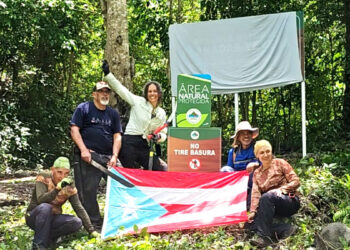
(159, 90)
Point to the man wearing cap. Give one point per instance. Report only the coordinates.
(44, 213)
(95, 127)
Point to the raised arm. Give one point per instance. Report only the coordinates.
(116, 85)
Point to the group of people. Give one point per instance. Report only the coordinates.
(96, 127)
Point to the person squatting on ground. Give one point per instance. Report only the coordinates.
(241, 156)
(145, 116)
(274, 194)
(95, 127)
(44, 213)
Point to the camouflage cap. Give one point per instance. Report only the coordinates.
(101, 85)
(61, 162)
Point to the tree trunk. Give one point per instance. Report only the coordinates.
(117, 46)
(179, 11)
(261, 111)
(285, 126)
(254, 121)
(346, 104)
(277, 125)
(244, 104)
(70, 76)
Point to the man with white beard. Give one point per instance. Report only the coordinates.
(95, 127)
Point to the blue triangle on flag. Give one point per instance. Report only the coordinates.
(127, 207)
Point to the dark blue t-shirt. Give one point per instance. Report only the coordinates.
(97, 127)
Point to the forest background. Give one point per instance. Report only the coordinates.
(51, 52)
(50, 58)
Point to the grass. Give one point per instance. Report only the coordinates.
(323, 195)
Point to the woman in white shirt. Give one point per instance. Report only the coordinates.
(145, 116)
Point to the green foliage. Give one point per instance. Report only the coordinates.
(343, 212)
(14, 233)
(49, 59)
(342, 215)
(13, 138)
(326, 195)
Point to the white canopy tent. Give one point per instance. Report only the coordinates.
(241, 54)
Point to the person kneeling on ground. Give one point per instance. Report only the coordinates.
(274, 193)
(44, 213)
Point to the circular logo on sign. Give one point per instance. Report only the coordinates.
(194, 164)
(194, 135)
(193, 116)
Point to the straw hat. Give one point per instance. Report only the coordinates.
(245, 125)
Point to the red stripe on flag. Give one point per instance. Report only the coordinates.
(180, 179)
(217, 221)
(193, 208)
(175, 208)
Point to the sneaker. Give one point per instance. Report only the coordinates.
(261, 242)
(289, 232)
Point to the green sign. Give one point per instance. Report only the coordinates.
(193, 102)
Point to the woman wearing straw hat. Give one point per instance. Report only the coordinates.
(241, 156)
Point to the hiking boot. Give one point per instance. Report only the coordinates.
(289, 232)
(262, 241)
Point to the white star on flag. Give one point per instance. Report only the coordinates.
(129, 208)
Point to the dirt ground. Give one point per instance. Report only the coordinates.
(16, 191)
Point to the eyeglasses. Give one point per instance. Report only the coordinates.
(105, 91)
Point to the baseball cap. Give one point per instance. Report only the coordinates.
(101, 85)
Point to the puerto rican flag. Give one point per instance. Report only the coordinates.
(168, 201)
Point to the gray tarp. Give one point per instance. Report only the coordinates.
(240, 54)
